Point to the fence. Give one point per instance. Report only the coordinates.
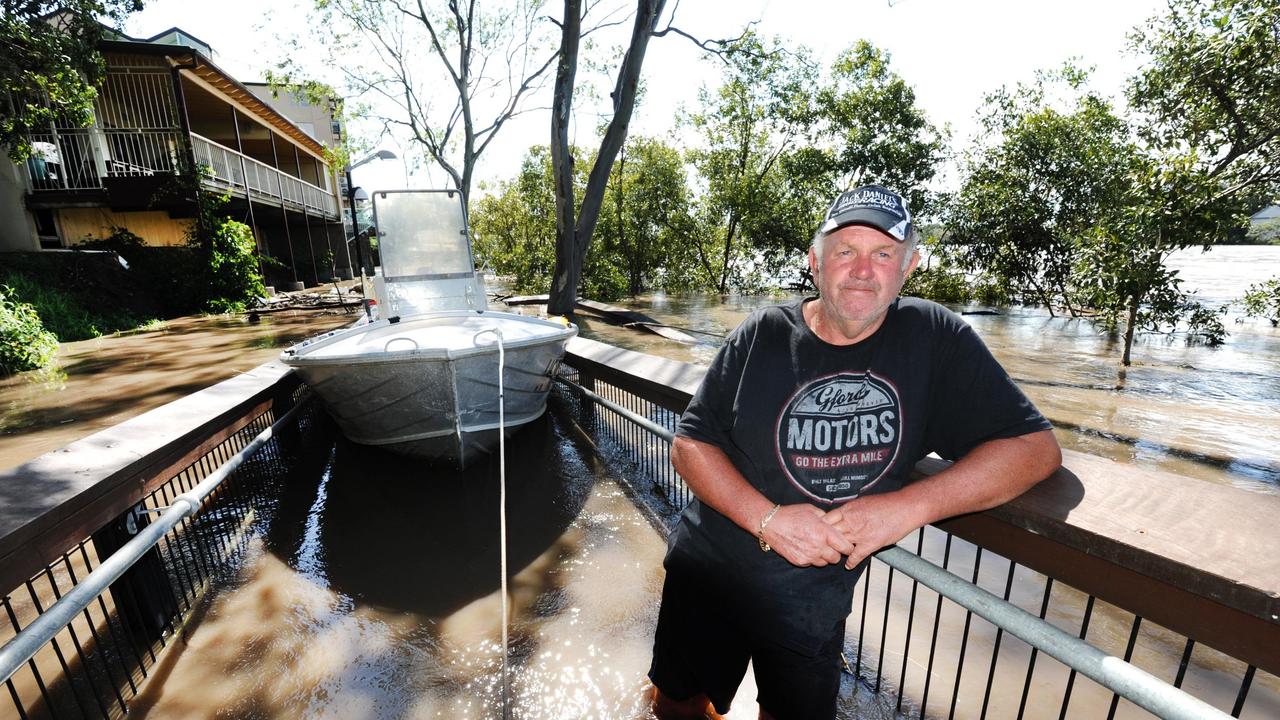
(79, 509)
(259, 180)
(1197, 627)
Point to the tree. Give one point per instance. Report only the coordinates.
(575, 223)
(50, 65)
(645, 220)
(754, 127)
(489, 61)
(875, 130)
(1208, 107)
(1048, 172)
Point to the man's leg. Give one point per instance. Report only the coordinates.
(699, 656)
(698, 707)
(794, 686)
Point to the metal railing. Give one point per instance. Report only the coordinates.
(259, 180)
(82, 637)
(1036, 675)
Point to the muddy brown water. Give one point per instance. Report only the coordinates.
(104, 381)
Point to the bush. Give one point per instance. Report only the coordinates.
(1204, 325)
(24, 342)
(1263, 300)
(68, 315)
(938, 284)
(234, 281)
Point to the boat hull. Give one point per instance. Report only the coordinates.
(438, 402)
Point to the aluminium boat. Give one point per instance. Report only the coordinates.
(422, 380)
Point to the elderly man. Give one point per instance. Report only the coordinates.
(798, 446)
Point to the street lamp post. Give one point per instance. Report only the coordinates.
(355, 194)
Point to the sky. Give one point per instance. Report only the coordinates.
(953, 52)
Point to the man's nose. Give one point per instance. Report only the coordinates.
(862, 266)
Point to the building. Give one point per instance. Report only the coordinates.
(165, 105)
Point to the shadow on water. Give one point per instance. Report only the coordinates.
(398, 533)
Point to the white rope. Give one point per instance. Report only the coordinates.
(502, 519)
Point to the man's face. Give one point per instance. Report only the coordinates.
(859, 274)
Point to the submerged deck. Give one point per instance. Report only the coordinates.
(332, 580)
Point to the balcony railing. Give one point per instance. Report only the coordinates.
(242, 174)
(80, 158)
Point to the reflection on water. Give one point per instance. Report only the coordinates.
(375, 593)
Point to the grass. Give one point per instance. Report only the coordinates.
(68, 316)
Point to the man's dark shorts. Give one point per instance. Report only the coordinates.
(702, 647)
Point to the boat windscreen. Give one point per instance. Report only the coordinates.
(421, 233)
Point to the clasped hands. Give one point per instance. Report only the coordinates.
(806, 536)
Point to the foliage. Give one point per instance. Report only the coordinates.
(1266, 232)
(1204, 324)
(1263, 300)
(577, 214)
(940, 284)
(24, 342)
(514, 228)
(758, 177)
(876, 132)
(68, 315)
(1112, 199)
(645, 221)
(50, 65)
(781, 140)
(1052, 170)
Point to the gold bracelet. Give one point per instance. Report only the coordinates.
(765, 521)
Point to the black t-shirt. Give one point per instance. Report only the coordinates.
(807, 421)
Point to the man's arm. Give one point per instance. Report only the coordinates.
(992, 473)
(796, 532)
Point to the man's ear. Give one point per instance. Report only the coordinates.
(813, 265)
(911, 266)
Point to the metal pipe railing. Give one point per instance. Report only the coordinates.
(1123, 678)
(44, 628)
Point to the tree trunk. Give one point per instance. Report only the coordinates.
(1129, 329)
(564, 283)
(573, 239)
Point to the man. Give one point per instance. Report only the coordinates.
(798, 445)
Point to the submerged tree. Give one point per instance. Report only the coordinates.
(50, 64)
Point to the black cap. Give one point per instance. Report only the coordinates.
(871, 205)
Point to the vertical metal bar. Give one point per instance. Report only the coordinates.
(288, 237)
(17, 701)
(35, 671)
(1244, 692)
(1184, 663)
(933, 640)
(116, 633)
(995, 651)
(862, 621)
(1071, 678)
(911, 618)
(1031, 663)
(101, 649)
(1128, 653)
(964, 637)
(57, 651)
(884, 630)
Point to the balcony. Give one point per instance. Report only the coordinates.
(86, 159)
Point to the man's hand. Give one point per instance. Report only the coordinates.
(871, 522)
(801, 535)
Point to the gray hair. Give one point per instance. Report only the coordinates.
(912, 241)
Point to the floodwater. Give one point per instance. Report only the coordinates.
(104, 381)
(375, 594)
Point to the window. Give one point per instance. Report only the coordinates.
(47, 230)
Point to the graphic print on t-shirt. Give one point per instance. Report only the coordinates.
(839, 434)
